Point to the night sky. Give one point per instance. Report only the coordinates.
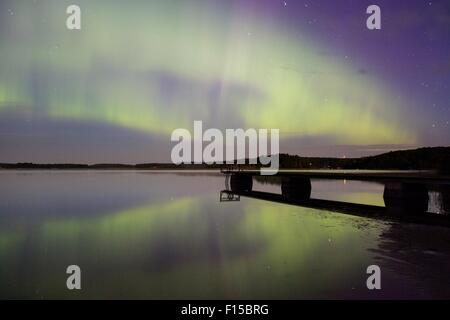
(115, 90)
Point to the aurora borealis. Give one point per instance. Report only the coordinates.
(116, 89)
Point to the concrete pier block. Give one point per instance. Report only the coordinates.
(445, 197)
(298, 188)
(241, 183)
(405, 198)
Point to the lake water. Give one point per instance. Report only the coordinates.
(150, 235)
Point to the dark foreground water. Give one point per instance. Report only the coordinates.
(167, 236)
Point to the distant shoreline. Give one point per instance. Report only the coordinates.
(432, 158)
(69, 166)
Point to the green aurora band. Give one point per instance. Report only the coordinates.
(225, 63)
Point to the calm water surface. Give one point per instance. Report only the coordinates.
(165, 235)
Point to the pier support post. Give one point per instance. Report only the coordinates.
(241, 183)
(298, 188)
(405, 198)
